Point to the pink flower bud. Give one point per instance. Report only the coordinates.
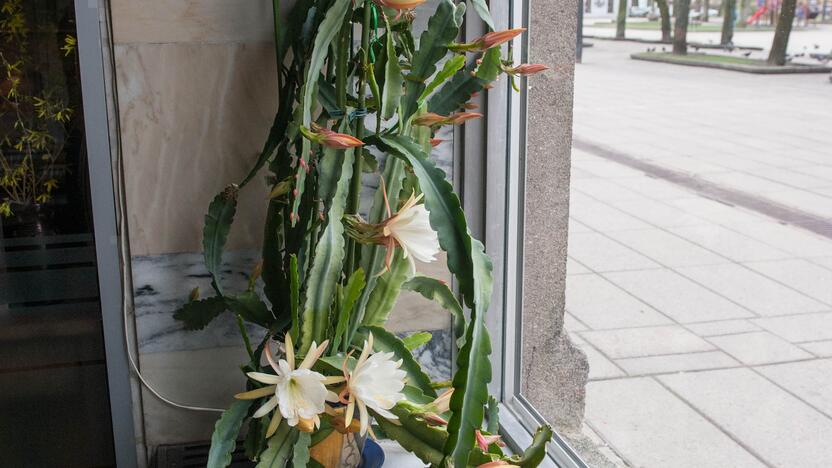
(340, 140)
(483, 441)
(429, 120)
(496, 38)
(527, 69)
(461, 117)
(400, 4)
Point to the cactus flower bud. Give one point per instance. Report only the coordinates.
(435, 120)
(400, 4)
(526, 69)
(489, 40)
(330, 139)
(483, 441)
(429, 119)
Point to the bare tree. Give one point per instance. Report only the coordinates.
(680, 31)
(621, 20)
(706, 6)
(777, 56)
(728, 21)
(664, 11)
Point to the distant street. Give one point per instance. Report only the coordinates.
(699, 279)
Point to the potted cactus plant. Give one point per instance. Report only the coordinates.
(328, 374)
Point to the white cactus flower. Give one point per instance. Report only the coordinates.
(375, 383)
(410, 229)
(298, 393)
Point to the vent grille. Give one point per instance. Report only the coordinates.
(196, 455)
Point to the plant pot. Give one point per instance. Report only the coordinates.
(28, 220)
(339, 450)
(348, 451)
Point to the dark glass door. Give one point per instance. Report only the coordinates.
(54, 398)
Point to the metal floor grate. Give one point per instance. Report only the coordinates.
(196, 455)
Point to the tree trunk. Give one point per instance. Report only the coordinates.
(621, 20)
(706, 7)
(680, 32)
(777, 56)
(728, 22)
(664, 11)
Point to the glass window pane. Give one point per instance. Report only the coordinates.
(53, 382)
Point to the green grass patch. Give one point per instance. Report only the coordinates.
(655, 26)
(712, 58)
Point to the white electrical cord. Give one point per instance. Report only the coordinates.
(124, 247)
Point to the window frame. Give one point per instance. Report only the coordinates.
(90, 16)
(490, 171)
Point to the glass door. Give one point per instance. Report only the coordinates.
(54, 392)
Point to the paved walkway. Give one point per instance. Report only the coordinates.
(700, 262)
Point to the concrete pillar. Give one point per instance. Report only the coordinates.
(554, 371)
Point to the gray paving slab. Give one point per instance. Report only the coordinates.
(666, 248)
(601, 253)
(818, 348)
(755, 348)
(781, 428)
(722, 327)
(756, 292)
(729, 243)
(646, 341)
(808, 278)
(651, 427)
(676, 296)
(676, 363)
(810, 381)
(599, 304)
(797, 328)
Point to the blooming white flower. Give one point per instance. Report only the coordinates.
(376, 383)
(298, 393)
(410, 229)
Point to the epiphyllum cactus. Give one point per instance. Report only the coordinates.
(330, 276)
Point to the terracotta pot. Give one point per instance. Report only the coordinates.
(339, 450)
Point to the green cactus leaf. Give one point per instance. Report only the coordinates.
(443, 28)
(535, 453)
(251, 308)
(300, 454)
(472, 268)
(393, 80)
(279, 449)
(452, 65)
(372, 256)
(416, 340)
(439, 292)
(327, 263)
(274, 278)
(196, 315)
(386, 291)
(465, 83)
(215, 232)
(482, 10)
(351, 292)
(327, 31)
(226, 429)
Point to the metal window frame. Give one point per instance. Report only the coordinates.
(490, 171)
(88, 16)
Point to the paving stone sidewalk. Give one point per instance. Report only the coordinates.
(707, 319)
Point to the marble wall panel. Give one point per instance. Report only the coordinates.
(163, 21)
(193, 119)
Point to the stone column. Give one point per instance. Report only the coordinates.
(554, 371)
